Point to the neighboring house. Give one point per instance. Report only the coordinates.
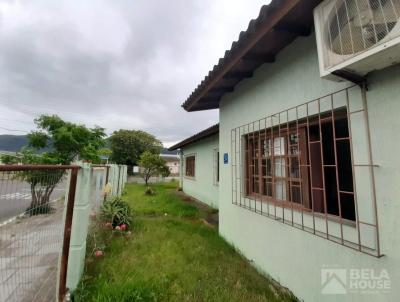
(309, 171)
(104, 159)
(199, 175)
(172, 159)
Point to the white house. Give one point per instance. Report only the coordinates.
(172, 161)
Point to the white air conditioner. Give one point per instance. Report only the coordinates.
(358, 36)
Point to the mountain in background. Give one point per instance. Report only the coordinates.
(12, 143)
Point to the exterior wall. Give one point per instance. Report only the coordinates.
(291, 256)
(202, 186)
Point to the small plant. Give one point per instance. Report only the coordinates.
(98, 238)
(99, 253)
(149, 191)
(116, 212)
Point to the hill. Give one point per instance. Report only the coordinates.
(12, 143)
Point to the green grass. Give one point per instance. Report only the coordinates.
(173, 257)
(165, 201)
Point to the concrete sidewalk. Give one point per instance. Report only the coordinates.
(29, 254)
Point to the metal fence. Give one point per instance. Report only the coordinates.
(311, 167)
(43, 225)
(35, 225)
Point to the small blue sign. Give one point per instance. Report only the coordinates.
(225, 158)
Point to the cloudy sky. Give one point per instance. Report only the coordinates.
(120, 64)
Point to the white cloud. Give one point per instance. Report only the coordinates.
(117, 64)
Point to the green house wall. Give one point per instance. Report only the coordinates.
(294, 257)
(202, 186)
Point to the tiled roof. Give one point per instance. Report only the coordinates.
(277, 25)
(198, 136)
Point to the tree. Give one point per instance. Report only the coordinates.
(8, 159)
(64, 142)
(152, 164)
(128, 145)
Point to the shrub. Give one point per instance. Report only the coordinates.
(116, 211)
(149, 191)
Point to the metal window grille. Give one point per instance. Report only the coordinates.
(311, 167)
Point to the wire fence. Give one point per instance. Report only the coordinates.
(42, 225)
(32, 221)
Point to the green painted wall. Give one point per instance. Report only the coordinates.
(202, 186)
(291, 256)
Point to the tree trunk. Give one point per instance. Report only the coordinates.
(40, 203)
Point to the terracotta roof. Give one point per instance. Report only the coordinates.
(277, 25)
(198, 136)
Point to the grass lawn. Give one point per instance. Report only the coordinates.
(172, 256)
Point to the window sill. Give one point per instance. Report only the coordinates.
(189, 177)
(301, 208)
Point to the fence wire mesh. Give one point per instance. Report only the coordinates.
(32, 219)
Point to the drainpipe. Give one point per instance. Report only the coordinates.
(181, 168)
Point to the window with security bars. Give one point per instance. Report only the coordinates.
(190, 165)
(311, 167)
(303, 164)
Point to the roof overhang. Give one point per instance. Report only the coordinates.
(277, 25)
(197, 137)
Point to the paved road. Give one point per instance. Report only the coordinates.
(15, 197)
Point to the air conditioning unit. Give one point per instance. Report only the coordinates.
(357, 36)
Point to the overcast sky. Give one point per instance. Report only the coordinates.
(119, 64)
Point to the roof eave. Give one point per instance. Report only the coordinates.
(197, 137)
(279, 23)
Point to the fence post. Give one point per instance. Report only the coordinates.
(113, 182)
(80, 224)
(106, 181)
(125, 174)
(70, 198)
(119, 181)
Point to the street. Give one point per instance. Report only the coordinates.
(15, 197)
